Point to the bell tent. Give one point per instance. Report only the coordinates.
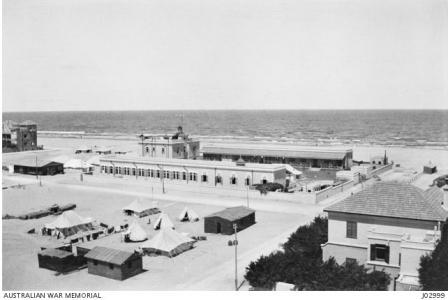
(168, 242)
(135, 233)
(163, 222)
(188, 215)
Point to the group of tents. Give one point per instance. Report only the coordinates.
(167, 241)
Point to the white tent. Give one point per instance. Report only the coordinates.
(163, 222)
(141, 208)
(69, 223)
(78, 164)
(188, 215)
(136, 233)
(168, 242)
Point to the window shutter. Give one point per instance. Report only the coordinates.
(372, 252)
(386, 256)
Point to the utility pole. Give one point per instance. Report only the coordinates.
(247, 196)
(37, 176)
(236, 257)
(235, 244)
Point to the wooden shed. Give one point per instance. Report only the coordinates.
(113, 263)
(59, 260)
(34, 167)
(429, 168)
(222, 221)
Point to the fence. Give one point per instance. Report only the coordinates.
(333, 190)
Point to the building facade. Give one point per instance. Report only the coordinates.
(19, 136)
(388, 227)
(194, 172)
(294, 155)
(177, 146)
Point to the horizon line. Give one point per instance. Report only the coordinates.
(232, 109)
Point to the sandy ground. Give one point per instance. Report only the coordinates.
(209, 266)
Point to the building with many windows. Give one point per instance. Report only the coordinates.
(177, 146)
(225, 174)
(388, 226)
(282, 153)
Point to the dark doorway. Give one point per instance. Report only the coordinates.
(218, 227)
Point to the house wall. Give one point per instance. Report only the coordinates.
(377, 230)
(210, 224)
(103, 269)
(196, 174)
(135, 267)
(184, 149)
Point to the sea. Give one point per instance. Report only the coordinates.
(413, 128)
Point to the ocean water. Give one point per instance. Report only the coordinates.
(381, 127)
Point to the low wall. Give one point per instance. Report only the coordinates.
(381, 170)
(330, 191)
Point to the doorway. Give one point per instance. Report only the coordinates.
(218, 227)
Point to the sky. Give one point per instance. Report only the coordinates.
(224, 54)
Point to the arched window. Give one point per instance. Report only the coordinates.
(204, 178)
(147, 149)
(247, 181)
(233, 180)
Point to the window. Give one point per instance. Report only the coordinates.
(184, 175)
(352, 230)
(233, 180)
(133, 171)
(166, 174)
(147, 149)
(218, 179)
(204, 178)
(379, 252)
(111, 266)
(95, 263)
(350, 261)
(163, 151)
(193, 176)
(247, 181)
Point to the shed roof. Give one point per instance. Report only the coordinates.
(31, 162)
(55, 253)
(270, 150)
(233, 213)
(392, 199)
(109, 255)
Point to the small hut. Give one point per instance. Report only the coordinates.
(38, 167)
(59, 260)
(429, 168)
(113, 263)
(223, 221)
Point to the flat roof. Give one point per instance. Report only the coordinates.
(277, 150)
(198, 163)
(232, 213)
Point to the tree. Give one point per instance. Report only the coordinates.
(300, 263)
(433, 271)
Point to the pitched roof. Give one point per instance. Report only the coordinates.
(167, 240)
(68, 219)
(277, 150)
(138, 206)
(392, 199)
(109, 255)
(31, 162)
(233, 213)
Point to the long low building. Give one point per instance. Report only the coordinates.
(316, 157)
(238, 175)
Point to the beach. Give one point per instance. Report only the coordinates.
(209, 266)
